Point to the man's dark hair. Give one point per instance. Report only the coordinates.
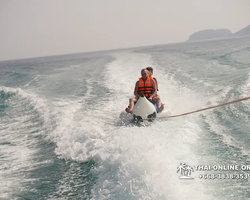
(150, 69)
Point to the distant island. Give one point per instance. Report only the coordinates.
(209, 34)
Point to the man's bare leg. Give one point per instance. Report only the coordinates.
(160, 106)
(131, 105)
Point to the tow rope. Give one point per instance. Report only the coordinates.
(188, 113)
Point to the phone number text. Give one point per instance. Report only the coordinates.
(224, 176)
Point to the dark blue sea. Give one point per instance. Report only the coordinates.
(61, 136)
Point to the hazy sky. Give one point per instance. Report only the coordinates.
(32, 28)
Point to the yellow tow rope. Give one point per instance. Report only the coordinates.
(188, 113)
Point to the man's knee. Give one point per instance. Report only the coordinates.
(132, 99)
(156, 99)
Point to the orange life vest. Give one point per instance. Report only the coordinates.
(145, 87)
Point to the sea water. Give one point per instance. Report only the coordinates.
(61, 136)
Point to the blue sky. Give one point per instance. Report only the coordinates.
(33, 28)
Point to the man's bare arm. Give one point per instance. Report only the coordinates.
(136, 90)
(156, 83)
